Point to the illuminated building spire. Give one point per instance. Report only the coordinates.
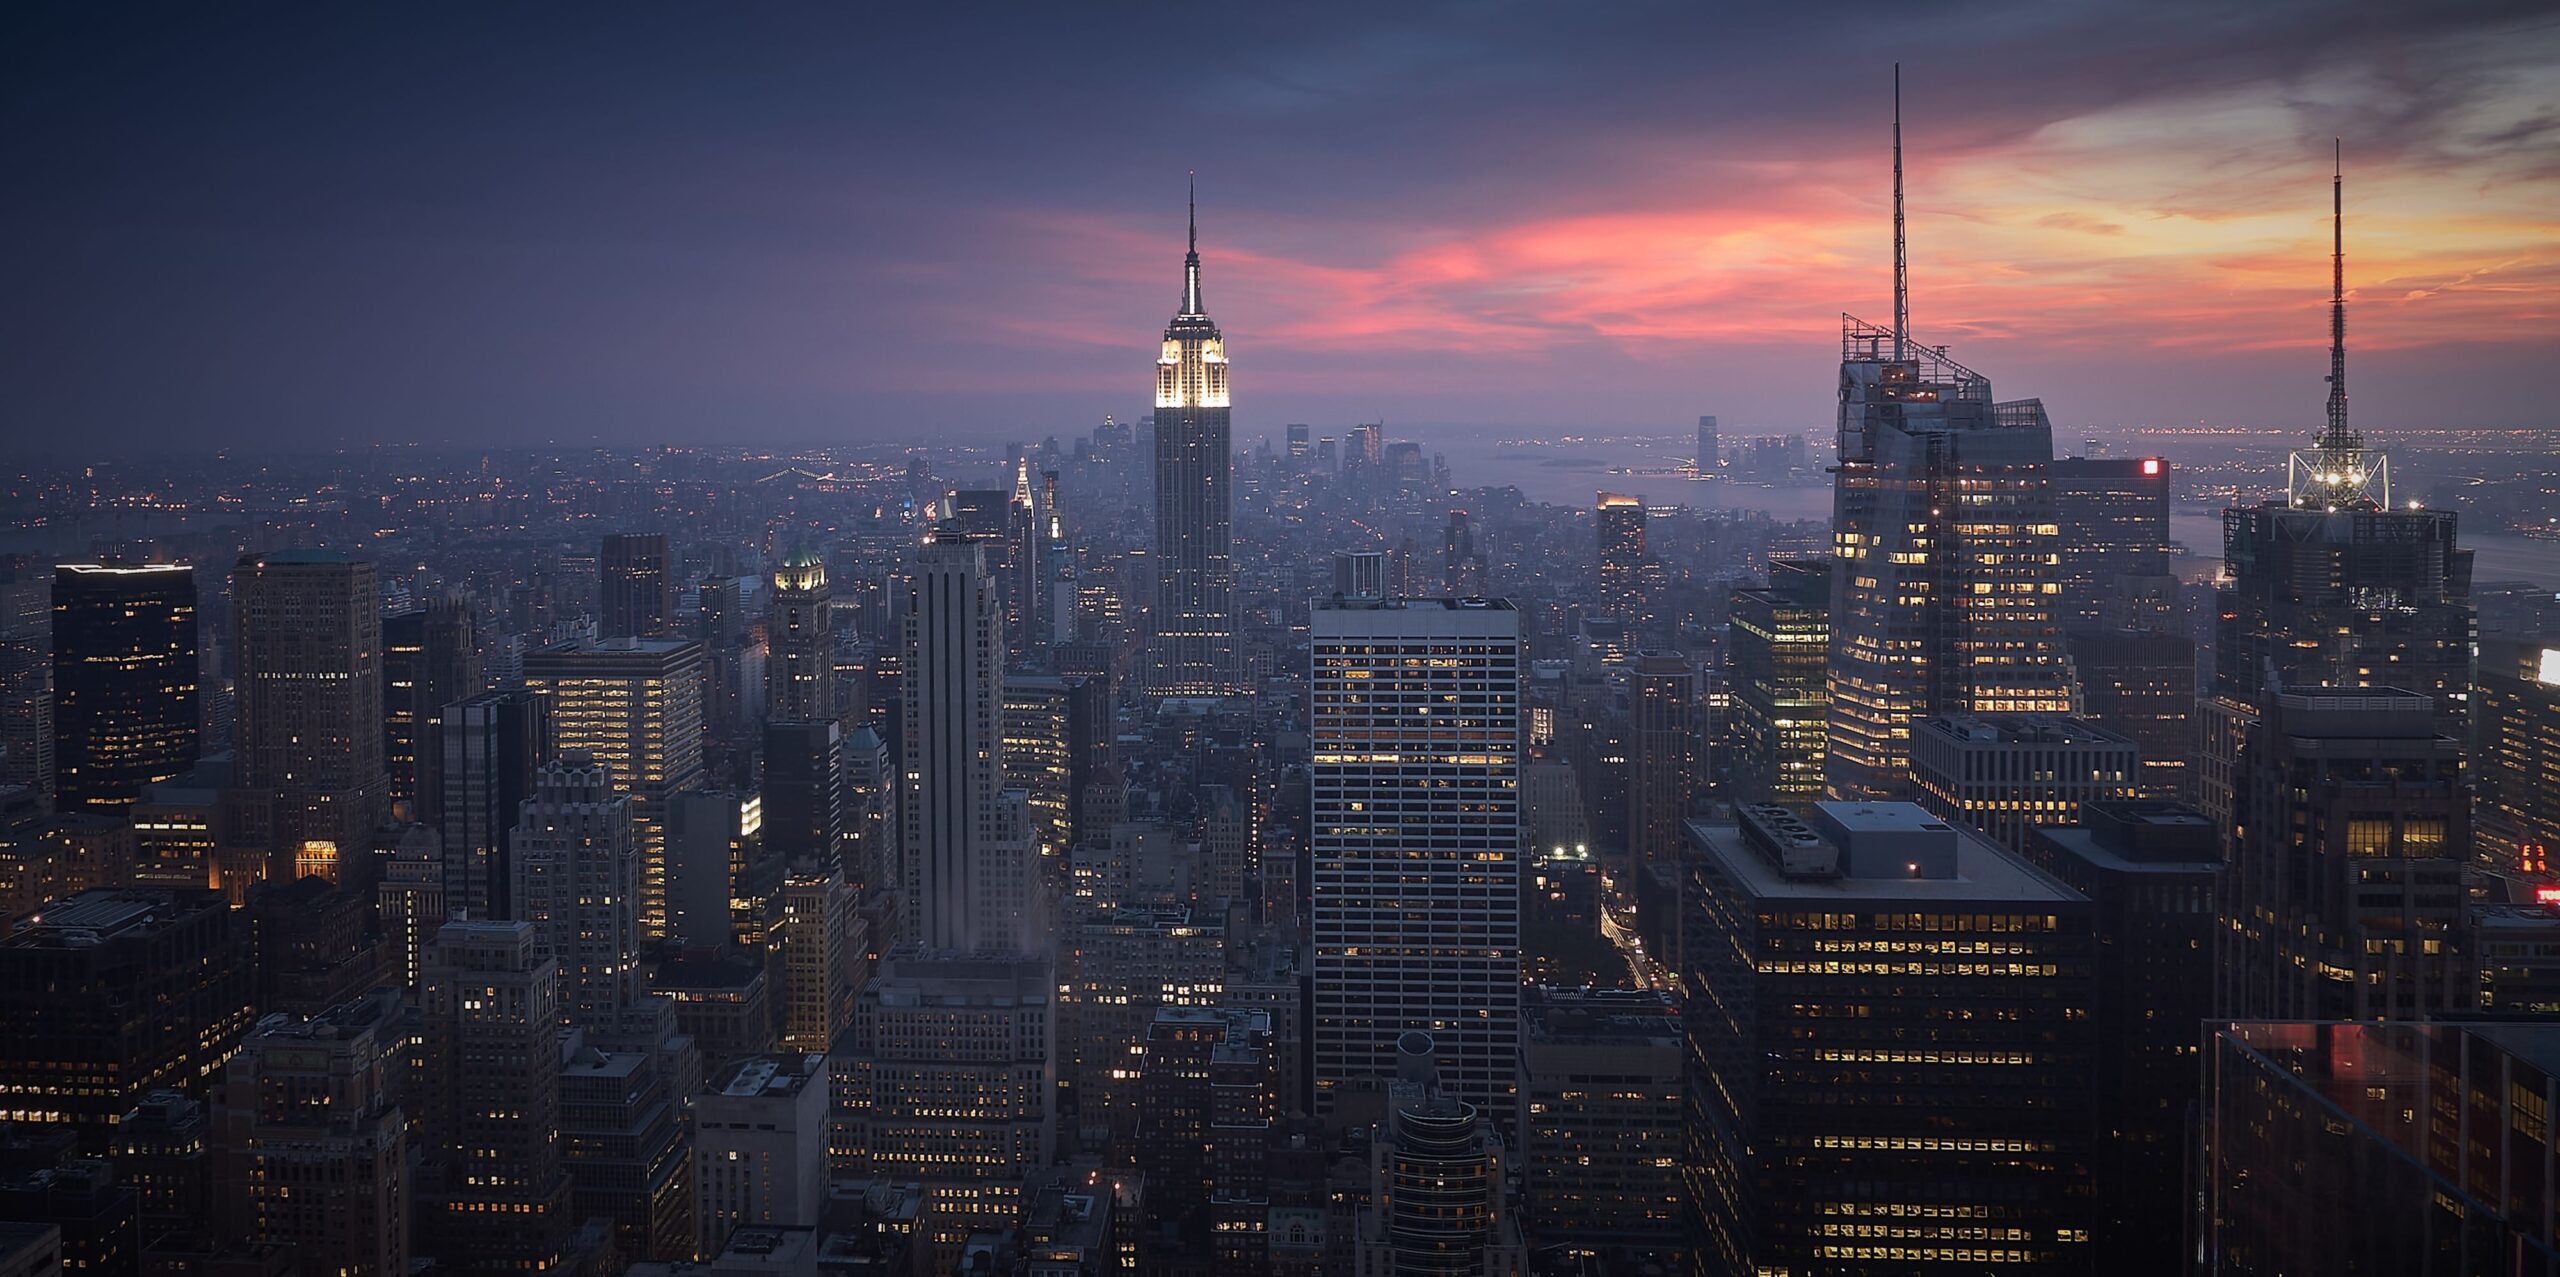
(1191, 259)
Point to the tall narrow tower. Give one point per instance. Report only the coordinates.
(1194, 649)
(966, 855)
(1943, 590)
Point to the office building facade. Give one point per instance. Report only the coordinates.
(124, 681)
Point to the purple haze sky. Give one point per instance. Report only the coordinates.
(233, 225)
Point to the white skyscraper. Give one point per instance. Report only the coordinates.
(966, 851)
(577, 880)
(1416, 797)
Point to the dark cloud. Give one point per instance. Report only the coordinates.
(240, 225)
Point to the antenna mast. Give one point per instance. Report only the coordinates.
(2339, 436)
(1901, 261)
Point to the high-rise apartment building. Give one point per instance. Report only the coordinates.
(310, 1144)
(1415, 733)
(1889, 1048)
(496, 1196)
(2345, 897)
(1942, 594)
(428, 662)
(2113, 514)
(966, 852)
(1619, 523)
(1210, 1088)
(577, 880)
(124, 681)
(1779, 643)
(491, 745)
(634, 705)
(1193, 645)
(635, 591)
(1436, 1202)
(800, 643)
(309, 689)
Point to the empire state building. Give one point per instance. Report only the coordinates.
(1193, 650)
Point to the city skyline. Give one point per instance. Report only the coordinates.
(1492, 224)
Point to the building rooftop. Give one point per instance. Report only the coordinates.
(1932, 861)
(767, 1075)
(2022, 729)
(96, 917)
(1599, 1017)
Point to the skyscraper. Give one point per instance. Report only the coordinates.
(800, 680)
(1620, 521)
(1942, 512)
(1415, 743)
(635, 589)
(1871, 1089)
(491, 745)
(2330, 586)
(2344, 900)
(2113, 515)
(124, 681)
(1710, 448)
(1779, 642)
(634, 705)
(310, 1147)
(113, 994)
(497, 1197)
(1663, 769)
(1194, 649)
(427, 663)
(309, 655)
(803, 791)
(967, 869)
(577, 880)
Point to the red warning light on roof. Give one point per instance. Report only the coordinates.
(2151, 465)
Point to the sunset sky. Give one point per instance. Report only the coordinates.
(776, 223)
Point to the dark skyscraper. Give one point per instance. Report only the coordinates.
(636, 591)
(491, 745)
(428, 662)
(800, 680)
(2114, 521)
(1710, 448)
(309, 627)
(1663, 768)
(2332, 587)
(1194, 651)
(1870, 1089)
(2345, 895)
(124, 680)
